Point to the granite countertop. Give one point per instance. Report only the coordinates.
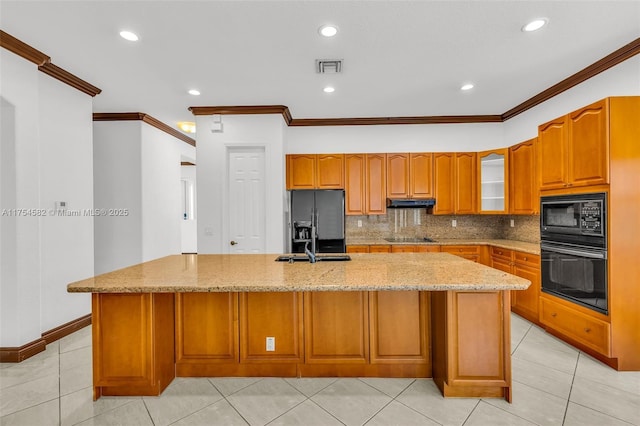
(531, 248)
(260, 272)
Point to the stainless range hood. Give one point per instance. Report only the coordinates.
(410, 203)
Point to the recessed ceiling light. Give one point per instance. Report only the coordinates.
(328, 30)
(535, 25)
(328, 89)
(194, 92)
(187, 126)
(128, 35)
(467, 86)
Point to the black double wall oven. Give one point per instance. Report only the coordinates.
(573, 233)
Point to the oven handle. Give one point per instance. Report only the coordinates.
(575, 252)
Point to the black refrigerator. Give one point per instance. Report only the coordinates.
(318, 213)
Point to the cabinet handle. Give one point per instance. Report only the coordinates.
(554, 314)
(587, 330)
(233, 243)
(526, 258)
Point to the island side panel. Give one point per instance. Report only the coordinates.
(133, 343)
(471, 343)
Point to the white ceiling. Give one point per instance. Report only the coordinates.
(401, 58)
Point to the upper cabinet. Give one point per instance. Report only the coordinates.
(455, 183)
(365, 184)
(574, 149)
(523, 182)
(410, 175)
(315, 171)
(493, 187)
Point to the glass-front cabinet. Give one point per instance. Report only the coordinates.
(493, 181)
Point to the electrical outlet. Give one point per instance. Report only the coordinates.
(454, 223)
(513, 223)
(359, 224)
(271, 344)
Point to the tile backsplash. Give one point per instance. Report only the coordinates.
(417, 223)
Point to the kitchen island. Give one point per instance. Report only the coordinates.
(407, 315)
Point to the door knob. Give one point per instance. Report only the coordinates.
(233, 243)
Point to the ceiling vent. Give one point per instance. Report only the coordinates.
(328, 66)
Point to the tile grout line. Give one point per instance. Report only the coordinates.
(471, 412)
(573, 378)
(59, 386)
(411, 408)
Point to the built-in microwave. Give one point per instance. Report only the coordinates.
(576, 219)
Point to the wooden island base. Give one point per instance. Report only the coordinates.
(141, 341)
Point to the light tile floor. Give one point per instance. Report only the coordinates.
(553, 384)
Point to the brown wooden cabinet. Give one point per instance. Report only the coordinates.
(365, 184)
(471, 344)
(380, 248)
(133, 343)
(271, 315)
(468, 252)
(410, 175)
(315, 171)
(574, 149)
(358, 248)
(206, 329)
(399, 327)
(524, 197)
(523, 302)
(455, 183)
(336, 327)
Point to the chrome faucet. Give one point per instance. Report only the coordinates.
(310, 253)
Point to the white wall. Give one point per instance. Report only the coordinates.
(239, 130)
(136, 167)
(394, 138)
(189, 228)
(117, 185)
(51, 162)
(161, 212)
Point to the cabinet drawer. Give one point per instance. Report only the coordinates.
(400, 248)
(587, 330)
(357, 249)
(527, 259)
(380, 248)
(501, 253)
(461, 250)
(427, 249)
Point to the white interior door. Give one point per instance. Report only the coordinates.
(246, 207)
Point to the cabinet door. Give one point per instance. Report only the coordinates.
(526, 302)
(207, 327)
(330, 169)
(427, 249)
(523, 187)
(375, 184)
(444, 179)
(588, 146)
(336, 327)
(354, 174)
(501, 264)
(467, 252)
(493, 188)
(399, 327)
(552, 154)
(266, 315)
(398, 175)
(465, 187)
(301, 171)
(421, 175)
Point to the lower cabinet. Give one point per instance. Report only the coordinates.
(133, 343)
(360, 248)
(523, 302)
(468, 252)
(471, 343)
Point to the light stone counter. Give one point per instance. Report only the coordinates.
(261, 273)
(531, 248)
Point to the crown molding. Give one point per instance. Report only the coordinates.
(132, 116)
(22, 49)
(187, 163)
(68, 78)
(242, 110)
(372, 121)
(625, 52)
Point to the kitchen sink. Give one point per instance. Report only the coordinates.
(409, 240)
(319, 258)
